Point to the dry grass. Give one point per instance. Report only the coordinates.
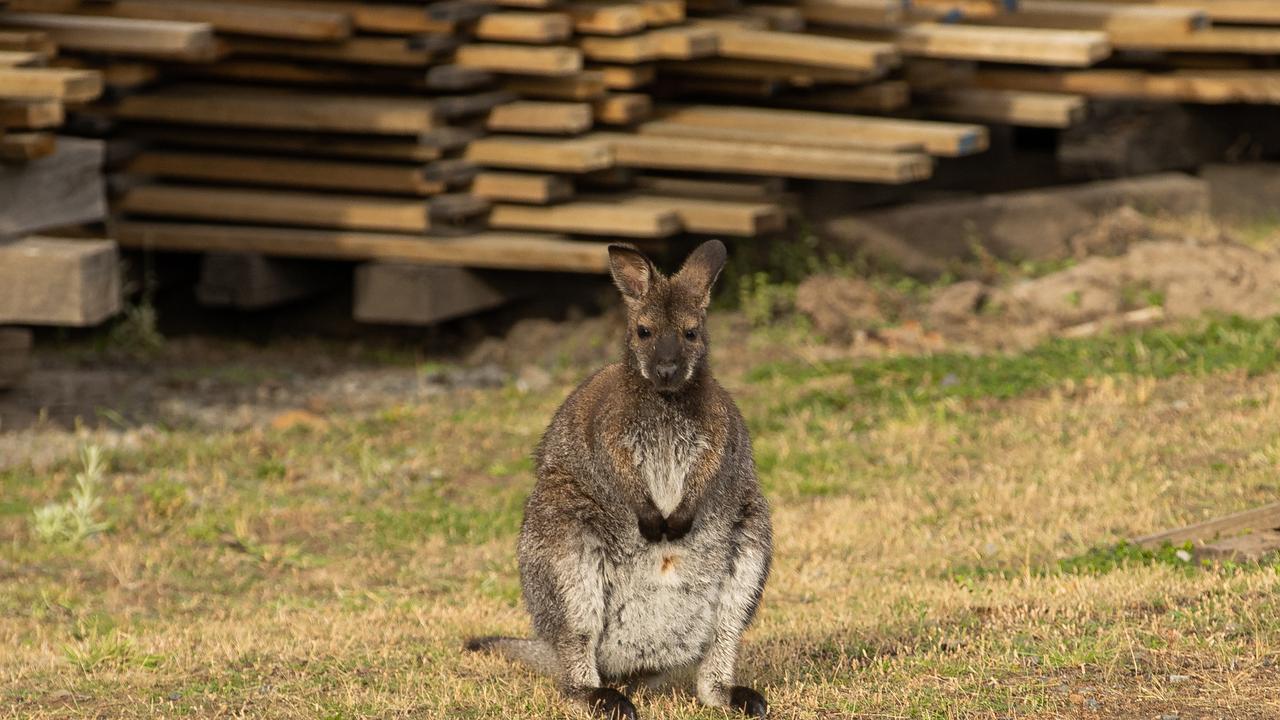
(333, 571)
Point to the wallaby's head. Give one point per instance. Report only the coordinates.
(666, 317)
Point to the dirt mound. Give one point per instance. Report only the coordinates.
(838, 306)
(1150, 281)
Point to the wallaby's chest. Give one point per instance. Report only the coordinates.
(661, 606)
(664, 451)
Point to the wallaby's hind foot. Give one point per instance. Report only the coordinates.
(610, 704)
(750, 702)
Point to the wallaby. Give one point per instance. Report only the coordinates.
(646, 541)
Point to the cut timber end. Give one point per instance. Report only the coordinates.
(51, 281)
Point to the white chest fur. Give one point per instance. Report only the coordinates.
(663, 455)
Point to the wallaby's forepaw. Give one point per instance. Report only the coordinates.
(750, 702)
(611, 704)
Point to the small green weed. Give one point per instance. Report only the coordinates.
(73, 521)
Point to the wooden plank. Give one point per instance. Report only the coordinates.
(52, 281)
(715, 216)
(566, 118)
(516, 251)
(258, 20)
(372, 17)
(1246, 548)
(1210, 87)
(426, 147)
(15, 355)
(676, 43)
(948, 139)
(806, 49)
(288, 172)
(65, 188)
(1009, 107)
(1117, 20)
(853, 13)
(152, 38)
(360, 50)
(1030, 46)
(754, 70)
(527, 27)
(519, 59)
(535, 188)
(590, 218)
(279, 110)
(800, 138)
(522, 153)
(1266, 517)
(254, 205)
(20, 58)
(407, 294)
(44, 83)
(669, 153)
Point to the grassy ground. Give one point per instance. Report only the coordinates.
(948, 530)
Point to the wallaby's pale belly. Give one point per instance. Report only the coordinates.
(661, 608)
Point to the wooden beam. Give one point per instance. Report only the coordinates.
(516, 251)
(407, 294)
(248, 281)
(65, 188)
(52, 281)
(1266, 517)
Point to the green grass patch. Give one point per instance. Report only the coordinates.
(1222, 344)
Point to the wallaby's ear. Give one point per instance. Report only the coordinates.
(701, 269)
(632, 271)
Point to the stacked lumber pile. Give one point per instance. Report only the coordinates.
(46, 182)
(523, 134)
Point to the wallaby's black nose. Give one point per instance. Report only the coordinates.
(666, 371)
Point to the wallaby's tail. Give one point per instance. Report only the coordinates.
(534, 653)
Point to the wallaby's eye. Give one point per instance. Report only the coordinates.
(690, 335)
(643, 331)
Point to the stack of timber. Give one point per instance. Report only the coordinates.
(47, 182)
(525, 134)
